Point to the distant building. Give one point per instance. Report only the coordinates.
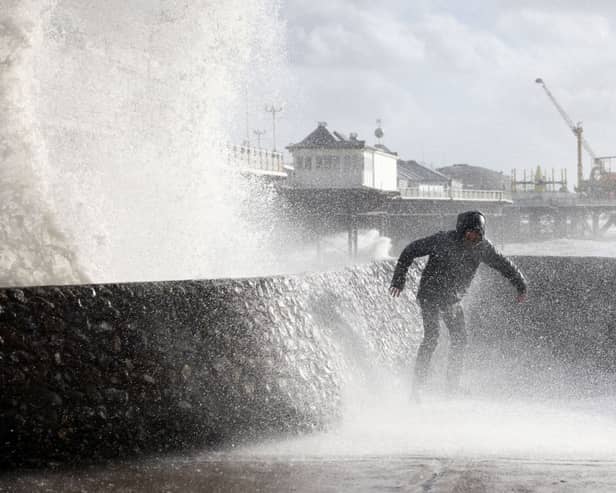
(477, 177)
(415, 176)
(332, 160)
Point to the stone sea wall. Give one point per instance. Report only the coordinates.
(561, 343)
(95, 371)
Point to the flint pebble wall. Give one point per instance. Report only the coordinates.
(98, 371)
(561, 343)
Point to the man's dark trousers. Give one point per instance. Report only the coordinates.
(453, 316)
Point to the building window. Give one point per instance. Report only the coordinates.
(299, 162)
(318, 162)
(327, 162)
(335, 163)
(307, 162)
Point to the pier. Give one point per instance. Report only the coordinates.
(408, 215)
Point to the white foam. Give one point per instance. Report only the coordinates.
(123, 108)
(566, 247)
(465, 428)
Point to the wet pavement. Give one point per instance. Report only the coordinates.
(471, 445)
(225, 473)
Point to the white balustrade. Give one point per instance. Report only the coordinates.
(254, 159)
(456, 194)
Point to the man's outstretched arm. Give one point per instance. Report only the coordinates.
(507, 268)
(418, 248)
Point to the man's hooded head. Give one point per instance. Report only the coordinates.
(471, 221)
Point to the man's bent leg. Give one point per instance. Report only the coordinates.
(430, 316)
(453, 317)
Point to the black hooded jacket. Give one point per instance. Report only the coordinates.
(451, 265)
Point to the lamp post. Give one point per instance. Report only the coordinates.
(273, 110)
(258, 133)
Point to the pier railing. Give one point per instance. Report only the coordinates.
(257, 161)
(453, 194)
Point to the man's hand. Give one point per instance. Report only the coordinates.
(395, 292)
(521, 298)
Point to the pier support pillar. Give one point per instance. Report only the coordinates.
(353, 236)
(595, 224)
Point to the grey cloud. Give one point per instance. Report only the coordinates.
(465, 90)
(343, 34)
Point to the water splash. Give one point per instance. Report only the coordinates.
(115, 121)
(389, 425)
(531, 400)
(33, 249)
(331, 252)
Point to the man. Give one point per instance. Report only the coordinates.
(454, 257)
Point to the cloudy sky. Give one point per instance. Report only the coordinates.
(452, 81)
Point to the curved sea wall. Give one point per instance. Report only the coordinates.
(559, 344)
(105, 370)
(98, 371)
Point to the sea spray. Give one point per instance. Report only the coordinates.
(116, 119)
(33, 247)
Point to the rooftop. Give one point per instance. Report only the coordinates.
(321, 138)
(476, 177)
(415, 172)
